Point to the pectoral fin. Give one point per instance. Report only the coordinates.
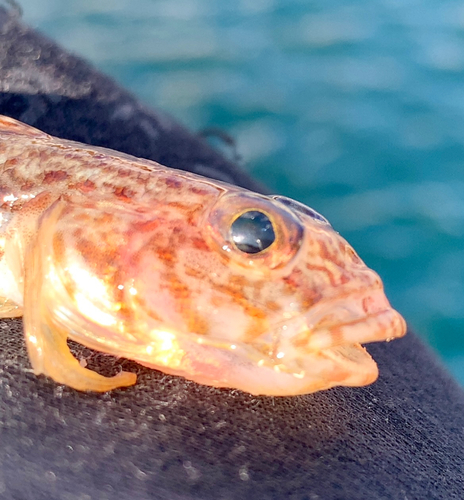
(46, 339)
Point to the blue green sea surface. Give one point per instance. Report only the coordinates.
(353, 107)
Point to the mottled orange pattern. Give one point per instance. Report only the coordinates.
(135, 259)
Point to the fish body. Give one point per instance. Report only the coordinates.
(178, 272)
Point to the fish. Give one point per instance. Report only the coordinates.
(181, 273)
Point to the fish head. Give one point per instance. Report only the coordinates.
(255, 292)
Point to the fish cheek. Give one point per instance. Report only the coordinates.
(157, 288)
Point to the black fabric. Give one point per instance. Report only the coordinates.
(170, 439)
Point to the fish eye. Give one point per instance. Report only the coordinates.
(252, 232)
(304, 209)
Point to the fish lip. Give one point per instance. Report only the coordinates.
(348, 318)
(382, 325)
(346, 307)
(387, 312)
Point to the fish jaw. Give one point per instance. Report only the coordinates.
(239, 368)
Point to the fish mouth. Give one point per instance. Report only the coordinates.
(322, 348)
(359, 319)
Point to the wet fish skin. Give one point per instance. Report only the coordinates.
(137, 260)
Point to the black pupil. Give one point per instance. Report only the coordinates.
(252, 232)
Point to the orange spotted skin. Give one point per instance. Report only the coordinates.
(138, 260)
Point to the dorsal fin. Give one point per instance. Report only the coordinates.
(8, 124)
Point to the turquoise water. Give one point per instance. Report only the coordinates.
(353, 107)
